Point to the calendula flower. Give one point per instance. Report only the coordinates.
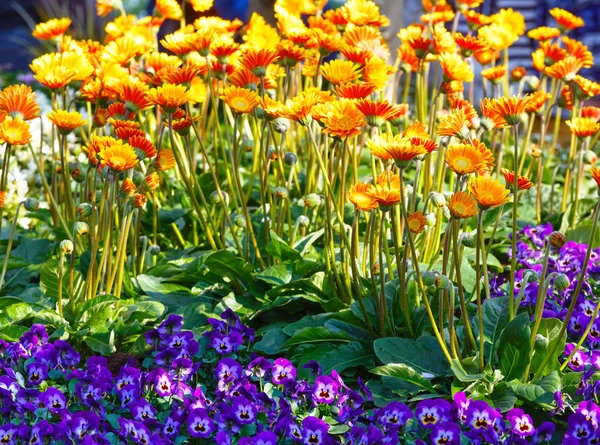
(509, 109)
(399, 112)
(464, 159)
(455, 124)
(497, 37)
(388, 146)
(343, 119)
(15, 131)
(490, 119)
(488, 192)
(117, 155)
(542, 33)
(578, 50)
(358, 90)
(583, 127)
(169, 9)
(487, 156)
(165, 160)
(290, 54)
(138, 200)
(367, 39)
(468, 44)
(201, 5)
(547, 55)
(462, 205)
(486, 56)
(416, 222)
(257, 60)
(475, 20)
(18, 101)
(151, 182)
(104, 7)
(565, 69)
(586, 88)
(386, 195)
(359, 197)
(340, 71)
(240, 100)
(565, 20)
(456, 103)
(596, 175)
(134, 96)
(591, 112)
(494, 74)
(523, 182)
(376, 113)
(51, 29)
(364, 12)
(517, 73)
(299, 108)
(442, 41)
(536, 101)
(376, 72)
(127, 189)
(455, 68)
(169, 97)
(66, 121)
(142, 146)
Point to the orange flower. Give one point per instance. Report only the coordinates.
(495, 74)
(165, 160)
(489, 119)
(18, 101)
(257, 60)
(457, 103)
(15, 131)
(475, 19)
(488, 192)
(523, 182)
(542, 33)
(151, 182)
(358, 90)
(117, 155)
(468, 44)
(290, 54)
(462, 205)
(591, 112)
(142, 146)
(407, 58)
(517, 73)
(488, 157)
(583, 127)
(51, 29)
(128, 188)
(486, 56)
(169, 9)
(377, 113)
(420, 45)
(578, 50)
(423, 143)
(455, 124)
(177, 42)
(139, 200)
(340, 71)
(455, 68)
(356, 55)
(385, 195)
(400, 149)
(169, 97)
(536, 102)
(343, 119)
(223, 47)
(369, 39)
(398, 114)
(134, 95)
(181, 75)
(416, 222)
(587, 88)
(272, 108)
(565, 20)
(596, 175)
(509, 109)
(327, 43)
(299, 108)
(464, 159)
(104, 7)
(66, 121)
(240, 100)
(359, 197)
(547, 55)
(565, 69)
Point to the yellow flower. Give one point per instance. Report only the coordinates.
(462, 205)
(51, 29)
(455, 68)
(583, 127)
(566, 21)
(377, 72)
(201, 5)
(240, 100)
(15, 131)
(169, 9)
(18, 101)
(509, 109)
(117, 155)
(416, 222)
(488, 192)
(343, 119)
(464, 159)
(104, 7)
(66, 121)
(339, 72)
(359, 197)
(497, 37)
(170, 97)
(455, 124)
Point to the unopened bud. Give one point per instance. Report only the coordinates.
(31, 204)
(375, 269)
(281, 125)
(152, 181)
(438, 199)
(154, 249)
(139, 200)
(467, 239)
(137, 178)
(312, 200)
(428, 277)
(532, 82)
(590, 157)
(281, 193)
(442, 282)
(430, 219)
(66, 246)
(259, 113)
(561, 282)
(84, 209)
(541, 342)
(247, 144)
(127, 188)
(271, 153)
(240, 221)
(303, 221)
(81, 228)
(290, 158)
(557, 240)
(215, 197)
(76, 172)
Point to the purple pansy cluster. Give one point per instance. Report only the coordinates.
(181, 392)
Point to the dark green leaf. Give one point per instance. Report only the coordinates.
(406, 373)
(513, 348)
(316, 335)
(419, 355)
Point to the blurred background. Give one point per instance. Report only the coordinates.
(17, 47)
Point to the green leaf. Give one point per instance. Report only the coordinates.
(503, 397)
(271, 342)
(96, 303)
(101, 343)
(316, 335)
(49, 280)
(495, 317)
(549, 328)
(276, 275)
(227, 265)
(513, 347)
(406, 373)
(541, 391)
(281, 250)
(349, 355)
(461, 374)
(420, 355)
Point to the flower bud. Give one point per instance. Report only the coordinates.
(561, 282)
(290, 158)
(442, 282)
(281, 125)
(66, 246)
(271, 153)
(139, 200)
(239, 221)
(429, 277)
(532, 82)
(81, 228)
(247, 144)
(259, 113)
(84, 209)
(138, 178)
(467, 239)
(31, 204)
(438, 199)
(281, 192)
(303, 221)
(375, 269)
(590, 157)
(312, 200)
(76, 172)
(541, 342)
(154, 249)
(430, 219)
(557, 239)
(127, 188)
(215, 197)
(152, 181)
